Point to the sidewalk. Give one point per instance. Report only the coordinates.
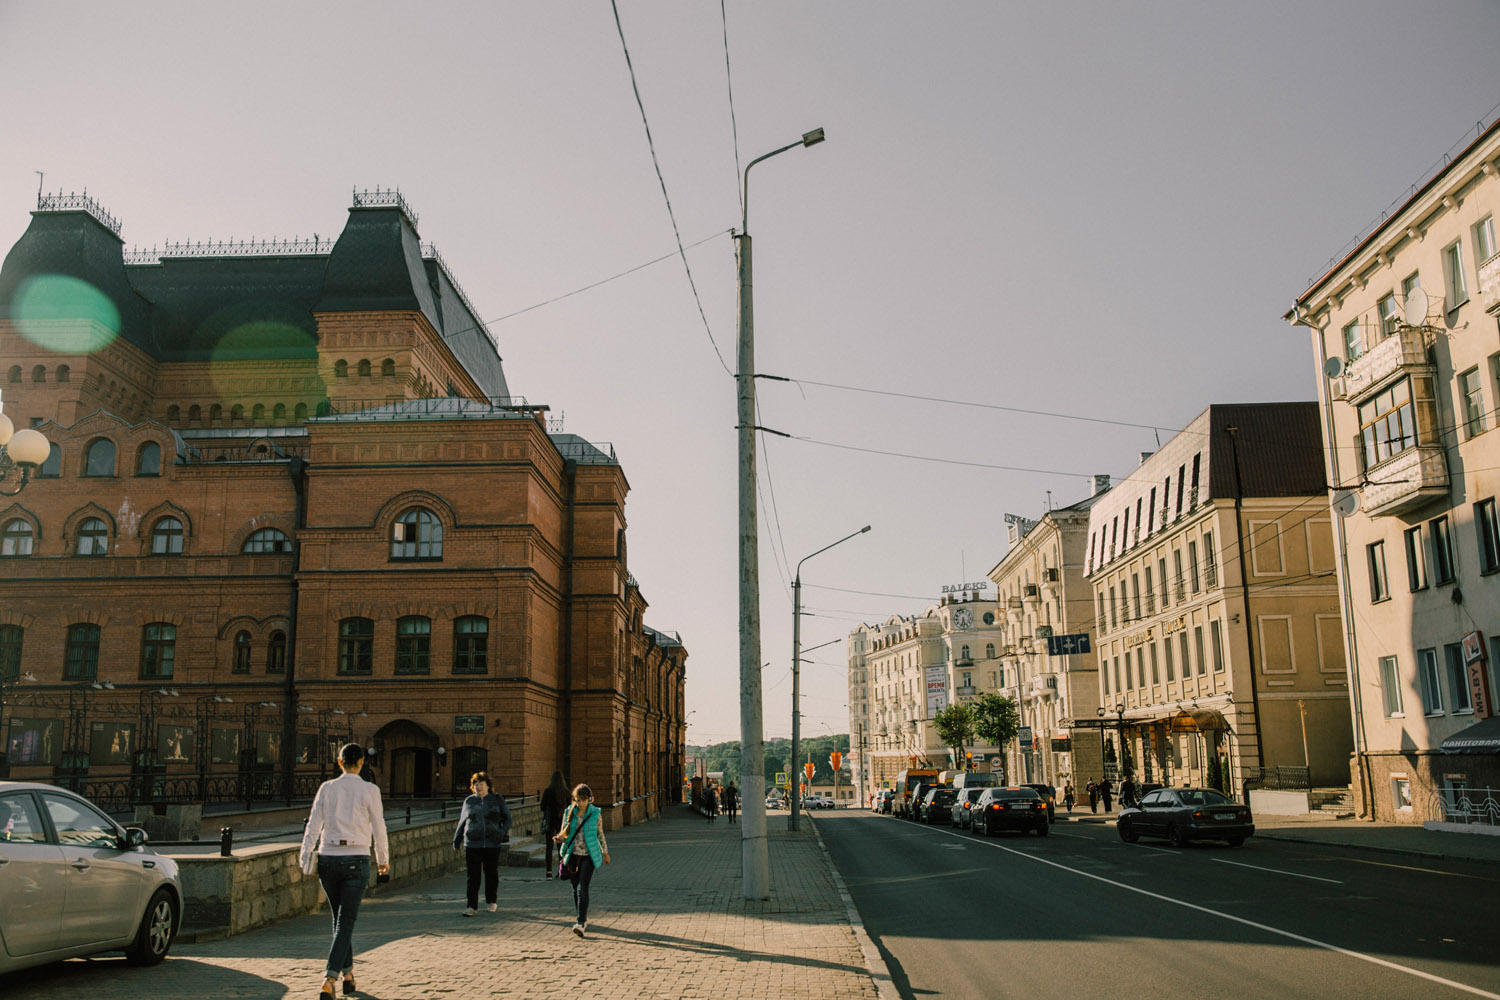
(667, 920)
(1390, 838)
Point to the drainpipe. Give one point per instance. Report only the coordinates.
(565, 618)
(297, 469)
(1239, 532)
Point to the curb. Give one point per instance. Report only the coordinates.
(880, 973)
(1376, 848)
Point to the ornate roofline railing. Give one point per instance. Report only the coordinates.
(385, 199)
(232, 248)
(430, 252)
(78, 203)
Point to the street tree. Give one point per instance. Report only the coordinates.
(996, 721)
(955, 726)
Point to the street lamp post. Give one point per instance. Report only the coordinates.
(754, 858)
(22, 450)
(1119, 713)
(796, 803)
(206, 713)
(5, 685)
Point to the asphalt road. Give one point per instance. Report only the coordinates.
(1079, 913)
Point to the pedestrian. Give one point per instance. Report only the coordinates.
(731, 801)
(481, 830)
(1107, 792)
(584, 847)
(554, 802)
(711, 803)
(346, 818)
(1127, 792)
(1068, 796)
(1093, 790)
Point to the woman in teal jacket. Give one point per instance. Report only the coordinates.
(584, 847)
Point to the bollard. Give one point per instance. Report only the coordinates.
(443, 813)
(408, 815)
(226, 842)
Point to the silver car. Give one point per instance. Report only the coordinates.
(74, 882)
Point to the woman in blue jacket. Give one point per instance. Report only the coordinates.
(584, 847)
(481, 833)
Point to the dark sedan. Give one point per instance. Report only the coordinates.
(1048, 795)
(1183, 815)
(963, 807)
(1016, 808)
(937, 807)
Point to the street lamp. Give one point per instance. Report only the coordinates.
(754, 859)
(23, 449)
(796, 799)
(1119, 713)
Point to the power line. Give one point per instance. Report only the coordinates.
(651, 144)
(733, 125)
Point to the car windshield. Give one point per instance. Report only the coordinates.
(973, 793)
(1202, 797)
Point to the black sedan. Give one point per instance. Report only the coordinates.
(1016, 808)
(1048, 795)
(1186, 814)
(937, 807)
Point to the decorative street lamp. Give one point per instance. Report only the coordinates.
(23, 449)
(1119, 712)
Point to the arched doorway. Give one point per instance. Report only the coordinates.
(409, 748)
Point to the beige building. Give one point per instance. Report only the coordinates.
(1404, 338)
(1041, 587)
(1213, 665)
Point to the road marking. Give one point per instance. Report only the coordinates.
(1466, 988)
(1277, 871)
(1148, 847)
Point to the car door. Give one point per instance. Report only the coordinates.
(1149, 820)
(32, 882)
(104, 884)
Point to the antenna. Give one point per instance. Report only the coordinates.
(39, 178)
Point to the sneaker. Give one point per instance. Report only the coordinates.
(578, 929)
(470, 912)
(492, 907)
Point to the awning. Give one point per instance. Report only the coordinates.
(1482, 737)
(1198, 720)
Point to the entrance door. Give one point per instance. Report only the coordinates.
(403, 771)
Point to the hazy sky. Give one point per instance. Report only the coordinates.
(1092, 209)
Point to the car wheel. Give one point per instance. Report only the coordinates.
(1127, 831)
(1236, 841)
(1175, 835)
(158, 926)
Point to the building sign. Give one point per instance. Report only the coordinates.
(959, 588)
(1473, 647)
(1062, 744)
(1140, 638)
(468, 724)
(1175, 625)
(937, 690)
(1024, 735)
(1063, 645)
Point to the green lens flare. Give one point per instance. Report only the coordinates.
(65, 314)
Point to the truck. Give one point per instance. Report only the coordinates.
(906, 783)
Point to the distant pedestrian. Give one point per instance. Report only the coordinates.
(346, 818)
(1106, 792)
(710, 803)
(1068, 795)
(481, 830)
(1093, 790)
(584, 848)
(1127, 792)
(554, 802)
(731, 801)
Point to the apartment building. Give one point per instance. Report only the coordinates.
(1404, 337)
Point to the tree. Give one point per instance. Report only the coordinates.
(955, 727)
(996, 720)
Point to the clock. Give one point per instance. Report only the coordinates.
(963, 618)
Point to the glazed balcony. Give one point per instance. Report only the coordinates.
(1404, 482)
(1489, 284)
(1404, 350)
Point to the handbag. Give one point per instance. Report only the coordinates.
(568, 869)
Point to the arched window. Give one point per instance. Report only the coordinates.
(81, 654)
(356, 646)
(148, 460)
(259, 413)
(989, 650)
(340, 368)
(10, 652)
(267, 540)
(15, 373)
(174, 413)
(93, 538)
(300, 413)
(471, 640)
(279, 413)
(965, 654)
(158, 650)
(215, 413)
(17, 538)
(52, 468)
(276, 653)
(388, 368)
(101, 458)
(236, 413)
(417, 534)
(64, 373)
(413, 644)
(364, 367)
(166, 537)
(39, 373)
(242, 653)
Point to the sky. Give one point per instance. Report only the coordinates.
(1089, 210)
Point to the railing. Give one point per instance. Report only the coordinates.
(279, 451)
(586, 453)
(1473, 806)
(230, 248)
(121, 792)
(78, 202)
(1283, 777)
(385, 199)
(386, 408)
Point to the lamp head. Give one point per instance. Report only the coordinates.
(28, 447)
(814, 137)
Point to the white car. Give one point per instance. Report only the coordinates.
(818, 802)
(74, 882)
(773, 802)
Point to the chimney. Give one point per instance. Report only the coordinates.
(1101, 485)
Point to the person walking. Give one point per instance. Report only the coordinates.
(711, 802)
(1093, 790)
(584, 847)
(554, 802)
(481, 830)
(1068, 796)
(346, 818)
(1107, 792)
(1127, 792)
(731, 801)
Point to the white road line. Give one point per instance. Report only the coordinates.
(1464, 987)
(1277, 871)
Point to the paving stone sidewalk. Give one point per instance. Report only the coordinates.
(667, 920)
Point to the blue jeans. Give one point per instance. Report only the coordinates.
(344, 878)
(581, 885)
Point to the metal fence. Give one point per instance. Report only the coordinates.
(1280, 778)
(1477, 806)
(118, 793)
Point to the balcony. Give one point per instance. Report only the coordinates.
(1030, 592)
(1411, 479)
(1406, 349)
(1042, 686)
(1489, 285)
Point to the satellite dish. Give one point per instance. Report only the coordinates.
(1333, 368)
(1416, 308)
(1345, 502)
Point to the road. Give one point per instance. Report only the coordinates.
(1080, 913)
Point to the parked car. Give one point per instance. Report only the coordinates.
(817, 802)
(914, 800)
(884, 799)
(1047, 794)
(74, 882)
(937, 807)
(1186, 814)
(962, 813)
(1014, 808)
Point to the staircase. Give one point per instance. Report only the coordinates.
(1331, 803)
(525, 852)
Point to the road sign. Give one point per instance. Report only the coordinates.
(995, 762)
(1024, 735)
(781, 779)
(1062, 645)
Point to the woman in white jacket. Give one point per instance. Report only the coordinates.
(346, 819)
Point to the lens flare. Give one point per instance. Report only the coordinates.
(65, 314)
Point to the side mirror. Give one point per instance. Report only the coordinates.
(134, 839)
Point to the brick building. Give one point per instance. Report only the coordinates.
(292, 500)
